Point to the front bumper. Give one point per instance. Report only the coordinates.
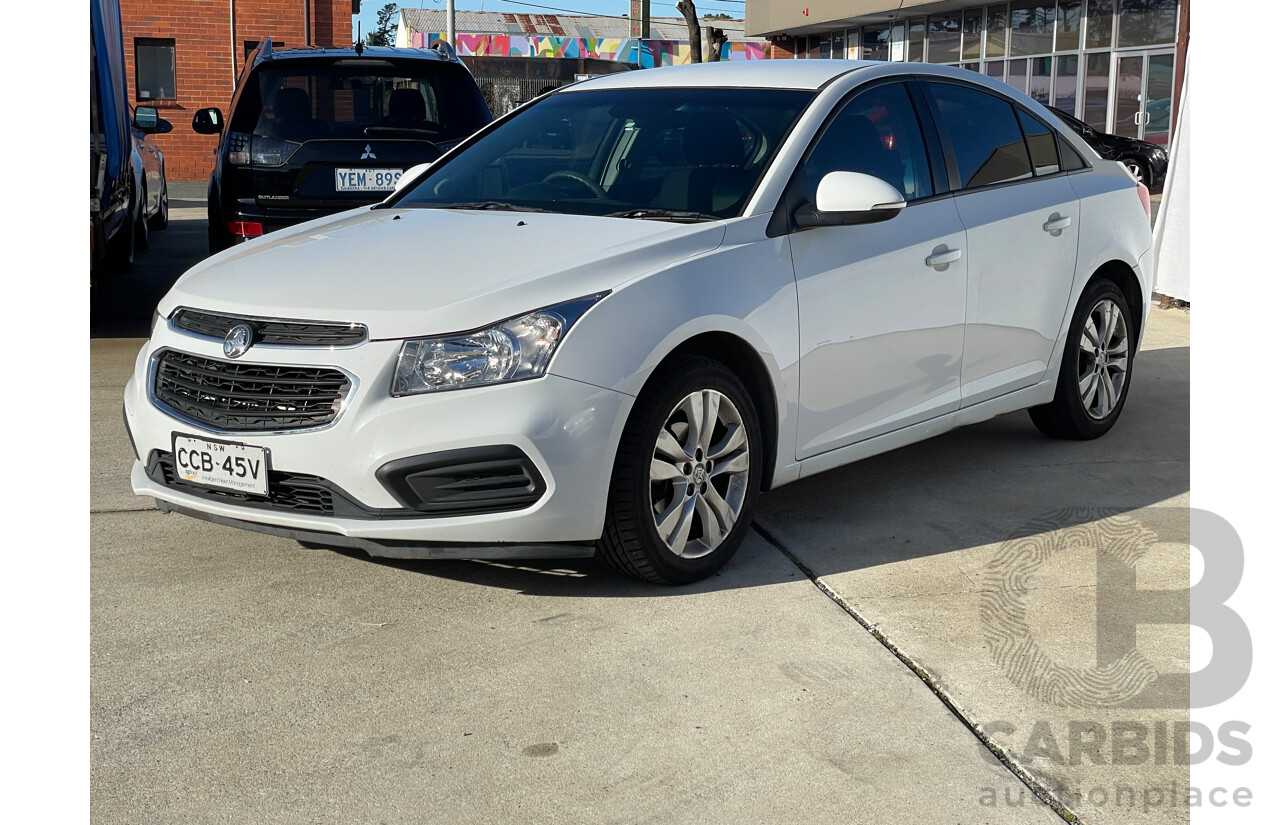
(568, 430)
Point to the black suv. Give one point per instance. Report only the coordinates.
(317, 131)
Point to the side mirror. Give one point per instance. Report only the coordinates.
(207, 121)
(846, 198)
(410, 175)
(146, 118)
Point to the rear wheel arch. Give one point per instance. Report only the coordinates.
(743, 359)
(1123, 276)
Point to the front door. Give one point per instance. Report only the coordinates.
(882, 306)
(1143, 97)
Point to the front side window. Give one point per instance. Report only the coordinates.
(986, 140)
(155, 69)
(684, 154)
(875, 133)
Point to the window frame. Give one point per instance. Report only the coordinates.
(795, 193)
(953, 168)
(153, 42)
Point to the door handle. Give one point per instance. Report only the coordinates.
(1057, 224)
(946, 256)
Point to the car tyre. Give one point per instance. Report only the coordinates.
(686, 474)
(1097, 366)
(141, 226)
(160, 220)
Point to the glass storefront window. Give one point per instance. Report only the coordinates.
(1064, 87)
(915, 40)
(973, 67)
(837, 46)
(1097, 79)
(815, 48)
(1031, 28)
(1040, 88)
(997, 30)
(994, 69)
(824, 48)
(944, 38)
(972, 34)
(875, 43)
(1018, 75)
(1148, 22)
(1068, 28)
(802, 48)
(1098, 27)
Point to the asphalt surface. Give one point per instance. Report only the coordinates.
(243, 678)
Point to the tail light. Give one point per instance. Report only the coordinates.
(1144, 195)
(245, 229)
(256, 150)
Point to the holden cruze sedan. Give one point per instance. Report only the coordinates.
(606, 322)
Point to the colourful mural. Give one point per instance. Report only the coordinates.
(644, 53)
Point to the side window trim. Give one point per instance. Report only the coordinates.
(938, 168)
(952, 167)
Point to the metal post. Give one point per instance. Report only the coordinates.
(449, 31)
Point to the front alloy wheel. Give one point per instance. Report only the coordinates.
(686, 474)
(698, 475)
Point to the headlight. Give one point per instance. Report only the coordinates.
(512, 350)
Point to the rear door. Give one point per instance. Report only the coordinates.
(881, 305)
(1021, 218)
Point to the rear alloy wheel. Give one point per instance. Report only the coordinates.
(1139, 170)
(686, 477)
(1093, 382)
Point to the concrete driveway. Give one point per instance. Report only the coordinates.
(239, 677)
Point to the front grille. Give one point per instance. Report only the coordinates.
(285, 491)
(234, 397)
(275, 332)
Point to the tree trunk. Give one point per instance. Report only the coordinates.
(717, 39)
(686, 8)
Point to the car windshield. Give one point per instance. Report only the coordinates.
(301, 100)
(676, 154)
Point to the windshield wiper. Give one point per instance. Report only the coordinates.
(501, 206)
(399, 130)
(664, 215)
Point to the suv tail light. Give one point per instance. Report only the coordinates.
(256, 150)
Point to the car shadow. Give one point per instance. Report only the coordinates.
(971, 487)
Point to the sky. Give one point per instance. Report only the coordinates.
(368, 16)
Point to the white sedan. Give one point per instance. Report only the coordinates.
(607, 321)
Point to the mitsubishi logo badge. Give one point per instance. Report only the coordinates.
(239, 339)
(368, 153)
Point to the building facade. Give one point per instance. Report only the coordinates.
(184, 55)
(1115, 64)
(596, 37)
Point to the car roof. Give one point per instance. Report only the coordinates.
(368, 53)
(753, 74)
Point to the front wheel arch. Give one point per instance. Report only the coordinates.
(745, 362)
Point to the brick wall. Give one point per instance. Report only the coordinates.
(201, 31)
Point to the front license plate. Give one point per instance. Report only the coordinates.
(366, 180)
(221, 464)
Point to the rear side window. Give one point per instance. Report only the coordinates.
(1071, 160)
(357, 99)
(986, 139)
(1043, 146)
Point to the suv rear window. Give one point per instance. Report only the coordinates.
(357, 99)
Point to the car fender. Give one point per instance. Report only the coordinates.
(744, 288)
